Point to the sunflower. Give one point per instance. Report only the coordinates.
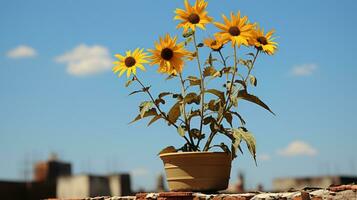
(193, 16)
(215, 43)
(169, 55)
(263, 42)
(237, 30)
(130, 62)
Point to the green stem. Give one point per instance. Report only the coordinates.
(158, 108)
(249, 71)
(202, 86)
(233, 77)
(187, 123)
(224, 61)
(251, 68)
(220, 118)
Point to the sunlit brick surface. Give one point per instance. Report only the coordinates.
(333, 193)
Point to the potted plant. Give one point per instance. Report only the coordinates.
(200, 111)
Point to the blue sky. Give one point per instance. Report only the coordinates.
(49, 104)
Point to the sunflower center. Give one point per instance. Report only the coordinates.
(167, 54)
(129, 61)
(214, 43)
(262, 40)
(194, 18)
(234, 31)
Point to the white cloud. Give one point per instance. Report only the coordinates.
(86, 60)
(264, 157)
(298, 148)
(304, 69)
(139, 172)
(21, 51)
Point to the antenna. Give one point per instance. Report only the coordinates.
(26, 168)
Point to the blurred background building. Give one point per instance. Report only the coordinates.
(285, 184)
(53, 178)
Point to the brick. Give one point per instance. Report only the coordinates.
(343, 188)
(141, 196)
(175, 196)
(232, 197)
(303, 196)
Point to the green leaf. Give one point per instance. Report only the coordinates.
(214, 126)
(137, 91)
(237, 137)
(174, 113)
(242, 134)
(208, 120)
(228, 117)
(163, 94)
(195, 133)
(154, 119)
(187, 34)
(128, 82)
(151, 112)
(247, 63)
(239, 116)
(244, 95)
(192, 98)
(251, 144)
(252, 80)
(209, 61)
(214, 105)
(169, 149)
(179, 97)
(224, 148)
(227, 70)
(234, 151)
(188, 41)
(170, 77)
(251, 54)
(234, 100)
(181, 131)
(144, 107)
(217, 74)
(158, 101)
(160, 98)
(194, 113)
(209, 71)
(218, 93)
(194, 80)
(242, 83)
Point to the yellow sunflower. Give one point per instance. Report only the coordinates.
(169, 55)
(263, 42)
(193, 16)
(237, 30)
(215, 43)
(130, 62)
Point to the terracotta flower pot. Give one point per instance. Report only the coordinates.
(197, 171)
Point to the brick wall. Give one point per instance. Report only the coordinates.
(344, 192)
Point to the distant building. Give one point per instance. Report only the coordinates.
(285, 184)
(53, 178)
(81, 186)
(120, 184)
(160, 183)
(50, 170)
(44, 185)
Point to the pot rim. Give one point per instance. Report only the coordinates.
(192, 153)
